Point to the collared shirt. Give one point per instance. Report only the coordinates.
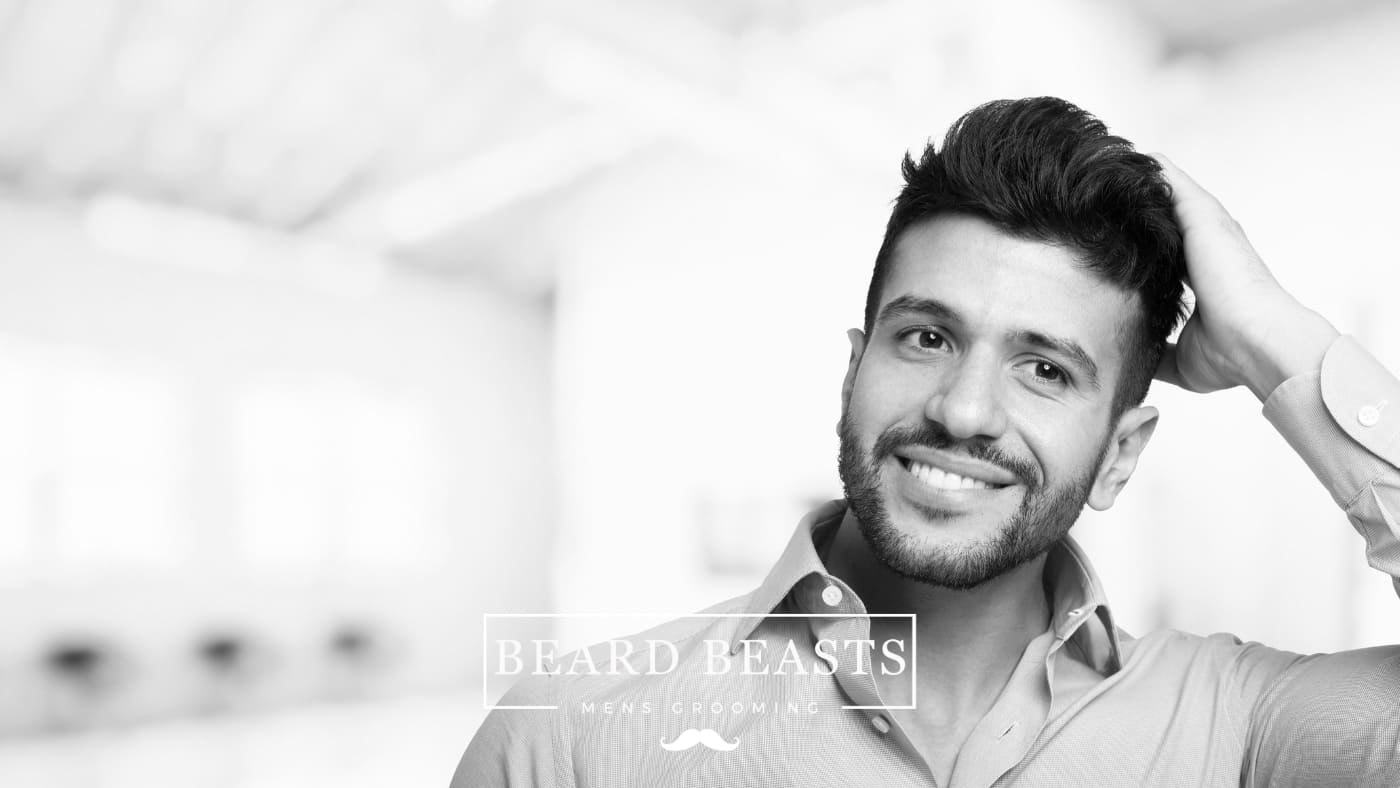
(1087, 704)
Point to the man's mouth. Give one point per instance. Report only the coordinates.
(943, 479)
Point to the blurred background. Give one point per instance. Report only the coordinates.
(328, 326)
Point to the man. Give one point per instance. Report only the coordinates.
(1021, 302)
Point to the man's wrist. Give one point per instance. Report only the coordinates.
(1290, 345)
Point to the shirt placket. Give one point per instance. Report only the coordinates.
(1004, 736)
(843, 617)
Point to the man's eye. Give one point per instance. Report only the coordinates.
(930, 340)
(1049, 373)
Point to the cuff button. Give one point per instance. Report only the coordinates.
(1369, 416)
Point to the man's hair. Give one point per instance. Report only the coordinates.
(1043, 169)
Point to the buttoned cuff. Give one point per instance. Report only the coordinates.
(1343, 419)
(1363, 397)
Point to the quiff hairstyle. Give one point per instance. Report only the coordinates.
(1043, 169)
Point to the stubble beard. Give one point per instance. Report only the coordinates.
(1044, 517)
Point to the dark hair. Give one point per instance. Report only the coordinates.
(1046, 170)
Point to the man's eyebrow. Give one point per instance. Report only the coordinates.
(911, 305)
(907, 305)
(1064, 347)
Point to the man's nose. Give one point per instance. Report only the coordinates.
(967, 399)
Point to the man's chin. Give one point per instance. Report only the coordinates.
(959, 567)
(950, 548)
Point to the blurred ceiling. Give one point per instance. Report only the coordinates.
(1212, 26)
(404, 124)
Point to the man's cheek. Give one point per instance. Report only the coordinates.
(884, 406)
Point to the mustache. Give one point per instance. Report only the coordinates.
(935, 436)
(690, 737)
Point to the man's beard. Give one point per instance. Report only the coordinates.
(1044, 517)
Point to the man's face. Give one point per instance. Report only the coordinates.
(976, 414)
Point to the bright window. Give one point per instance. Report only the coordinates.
(335, 475)
(90, 465)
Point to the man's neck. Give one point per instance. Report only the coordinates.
(969, 642)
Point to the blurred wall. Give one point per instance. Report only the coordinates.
(190, 452)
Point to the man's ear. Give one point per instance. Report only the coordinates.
(857, 338)
(1125, 446)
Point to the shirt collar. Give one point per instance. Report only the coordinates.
(1081, 615)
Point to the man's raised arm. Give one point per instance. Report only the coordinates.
(1326, 719)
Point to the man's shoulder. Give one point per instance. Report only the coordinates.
(709, 620)
(630, 687)
(645, 659)
(1166, 639)
(715, 620)
(1223, 653)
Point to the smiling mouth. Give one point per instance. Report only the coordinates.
(939, 479)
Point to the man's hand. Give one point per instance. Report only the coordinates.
(1246, 329)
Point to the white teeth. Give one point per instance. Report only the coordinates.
(943, 480)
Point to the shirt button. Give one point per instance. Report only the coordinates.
(831, 595)
(1369, 416)
(881, 724)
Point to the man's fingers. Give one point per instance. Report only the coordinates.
(1194, 205)
(1210, 229)
(1184, 187)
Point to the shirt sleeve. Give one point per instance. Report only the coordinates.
(518, 748)
(1344, 421)
(1334, 719)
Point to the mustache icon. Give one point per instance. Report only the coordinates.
(691, 737)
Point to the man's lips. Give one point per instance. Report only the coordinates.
(953, 472)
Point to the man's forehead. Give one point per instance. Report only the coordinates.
(990, 277)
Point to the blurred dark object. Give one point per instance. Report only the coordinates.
(224, 653)
(81, 672)
(354, 643)
(233, 661)
(79, 662)
(361, 654)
